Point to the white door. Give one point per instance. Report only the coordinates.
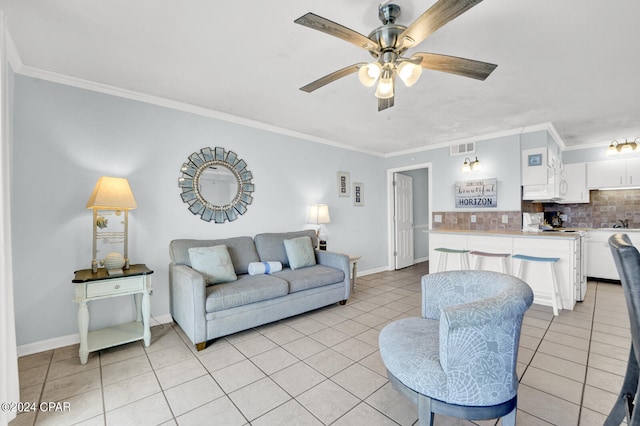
(403, 220)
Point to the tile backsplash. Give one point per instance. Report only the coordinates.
(603, 211)
(484, 221)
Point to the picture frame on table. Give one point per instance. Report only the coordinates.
(344, 184)
(358, 194)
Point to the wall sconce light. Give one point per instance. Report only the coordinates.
(319, 215)
(626, 147)
(111, 193)
(471, 165)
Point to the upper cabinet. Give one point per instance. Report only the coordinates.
(573, 186)
(541, 170)
(614, 173)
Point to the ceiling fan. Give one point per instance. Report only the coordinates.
(389, 42)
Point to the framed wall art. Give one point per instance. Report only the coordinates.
(358, 194)
(344, 184)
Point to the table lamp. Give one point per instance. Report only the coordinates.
(111, 193)
(318, 215)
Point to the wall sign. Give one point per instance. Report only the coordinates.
(477, 193)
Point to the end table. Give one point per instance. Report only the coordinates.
(94, 286)
(353, 259)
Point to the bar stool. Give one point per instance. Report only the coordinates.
(556, 299)
(445, 252)
(482, 254)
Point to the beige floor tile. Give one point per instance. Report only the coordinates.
(591, 418)
(192, 394)
(327, 401)
(564, 352)
(289, 413)
(34, 360)
(364, 415)
(605, 363)
(70, 366)
(163, 340)
(259, 398)
(570, 330)
(74, 384)
(351, 328)
(528, 330)
(121, 352)
(567, 340)
(535, 322)
(392, 404)
(529, 342)
(355, 349)
(598, 400)
(612, 329)
(125, 369)
(329, 337)
(547, 407)
(31, 393)
(165, 357)
(305, 325)
(298, 378)
(526, 419)
(220, 411)
(150, 410)
(604, 380)
(66, 352)
(237, 375)
(221, 358)
(613, 352)
(359, 380)
(304, 348)
(328, 362)
(33, 376)
(82, 407)
(559, 366)
(274, 360)
(553, 384)
(611, 340)
(178, 373)
(130, 390)
(283, 335)
(254, 346)
(371, 336)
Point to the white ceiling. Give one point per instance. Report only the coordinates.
(572, 63)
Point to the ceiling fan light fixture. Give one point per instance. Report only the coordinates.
(368, 74)
(409, 73)
(385, 86)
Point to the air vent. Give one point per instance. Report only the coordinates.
(463, 148)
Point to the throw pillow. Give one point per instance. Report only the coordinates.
(300, 252)
(214, 263)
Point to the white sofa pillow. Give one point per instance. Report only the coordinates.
(300, 252)
(214, 263)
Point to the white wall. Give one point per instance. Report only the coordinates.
(66, 138)
(500, 159)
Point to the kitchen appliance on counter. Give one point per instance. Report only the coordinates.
(555, 219)
(532, 222)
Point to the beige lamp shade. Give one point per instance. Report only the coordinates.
(112, 193)
(318, 214)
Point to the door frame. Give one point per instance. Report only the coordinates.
(390, 206)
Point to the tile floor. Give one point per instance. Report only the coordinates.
(323, 367)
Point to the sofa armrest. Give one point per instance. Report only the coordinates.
(188, 298)
(338, 261)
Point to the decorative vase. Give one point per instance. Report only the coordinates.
(114, 263)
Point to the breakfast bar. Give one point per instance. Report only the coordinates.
(567, 246)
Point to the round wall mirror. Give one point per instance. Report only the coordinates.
(216, 184)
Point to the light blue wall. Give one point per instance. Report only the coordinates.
(500, 159)
(65, 138)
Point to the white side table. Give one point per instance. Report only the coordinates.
(93, 286)
(353, 260)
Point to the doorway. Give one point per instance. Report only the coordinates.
(420, 222)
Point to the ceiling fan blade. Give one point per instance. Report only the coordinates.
(385, 103)
(435, 17)
(329, 78)
(454, 65)
(319, 23)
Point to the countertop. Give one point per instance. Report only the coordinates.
(567, 233)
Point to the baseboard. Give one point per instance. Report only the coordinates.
(372, 271)
(72, 339)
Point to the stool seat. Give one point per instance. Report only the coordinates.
(444, 254)
(448, 250)
(556, 297)
(536, 259)
(481, 254)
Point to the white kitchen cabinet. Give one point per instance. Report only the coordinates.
(573, 186)
(600, 262)
(541, 168)
(614, 173)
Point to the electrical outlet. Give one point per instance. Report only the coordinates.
(437, 218)
(473, 218)
(505, 218)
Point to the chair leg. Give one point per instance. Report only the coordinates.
(510, 419)
(442, 262)
(464, 261)
(627, 394)
(556, 298)
(425, 415)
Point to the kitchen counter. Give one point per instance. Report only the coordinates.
(567, 246)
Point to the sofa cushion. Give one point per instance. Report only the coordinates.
(214, 263)
(241, 249)
(270, 247)
(311, 277)
(300, 252)
(247, 289)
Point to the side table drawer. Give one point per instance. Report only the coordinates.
(113, 287)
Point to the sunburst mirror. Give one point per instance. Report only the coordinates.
(216, 184)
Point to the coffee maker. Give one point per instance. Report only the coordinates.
(554, 219)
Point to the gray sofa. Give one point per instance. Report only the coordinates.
(205, 312)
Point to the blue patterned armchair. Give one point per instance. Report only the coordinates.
(459, 359)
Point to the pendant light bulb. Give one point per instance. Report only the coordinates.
(409, 73)
(368, 74)
(385, 85)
